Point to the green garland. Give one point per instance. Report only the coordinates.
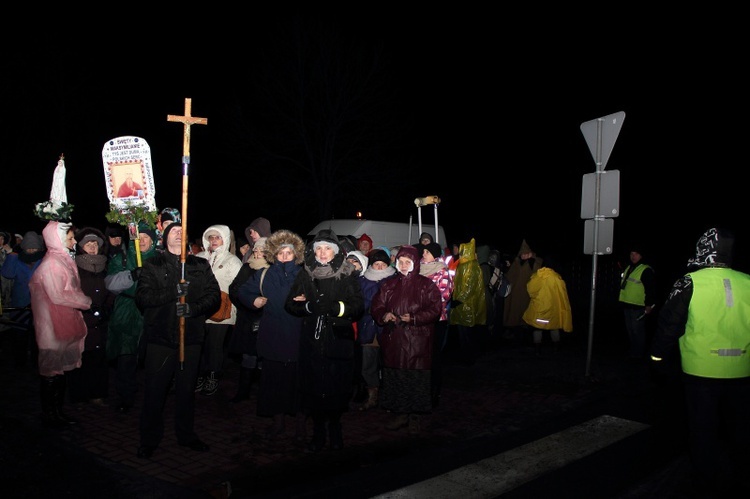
(132, 214)
(47, 211)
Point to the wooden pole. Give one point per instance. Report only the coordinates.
(187, 120)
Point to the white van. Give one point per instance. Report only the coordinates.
(388, 234)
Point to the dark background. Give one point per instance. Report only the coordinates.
(320, 112)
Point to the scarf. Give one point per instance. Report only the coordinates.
(92, 263)
(429, 268)
(372, 274)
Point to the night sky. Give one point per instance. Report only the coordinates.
(484, 112)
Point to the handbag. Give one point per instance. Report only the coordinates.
(225, 309)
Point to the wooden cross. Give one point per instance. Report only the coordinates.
(187, 121)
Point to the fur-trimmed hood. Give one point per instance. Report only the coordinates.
(281, 237)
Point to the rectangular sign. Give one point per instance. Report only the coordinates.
(128, 174)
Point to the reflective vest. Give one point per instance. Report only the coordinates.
(634, 292)
(717, 332)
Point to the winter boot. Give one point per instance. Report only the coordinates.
(210, 384)
(243, 386)
(319, 435)
(372, 398)
(277, 427)
(47, 395)
(414, 424)
(60, 384)
(399, 421)
(300, 430)
(334, 430)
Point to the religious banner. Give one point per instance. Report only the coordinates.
(128, 174)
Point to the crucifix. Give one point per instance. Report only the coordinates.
(187, 120)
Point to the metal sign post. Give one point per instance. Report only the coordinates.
(600, 135)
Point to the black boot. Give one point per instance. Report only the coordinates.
(334, 429)
(47, 396)
(60, 385)
(319, 434)
(243, 387)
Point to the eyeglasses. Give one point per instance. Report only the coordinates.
(211, 238)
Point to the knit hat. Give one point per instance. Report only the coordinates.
(260, 225)
(434, 249)
(32, 240)
(90, 237)
(260, 244)
(379, 255)
(170, 214)
(328, 237)
(166, 232)
(145, 229)
(364, 237)
(114, 231)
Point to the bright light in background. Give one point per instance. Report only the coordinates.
(359, 215)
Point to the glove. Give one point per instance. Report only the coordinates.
(334, 309)
(183, 310)
(182, 289)
(136, 273)
(314, 308)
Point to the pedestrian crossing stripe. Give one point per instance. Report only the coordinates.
(499, 474)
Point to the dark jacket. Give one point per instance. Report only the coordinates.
(327, 343)
(278, 336)
(407, 346)
(156, 297)
(244, 336)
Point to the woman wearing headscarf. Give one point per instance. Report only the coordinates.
(327, 294)
(244, 339)
(408, 306)
(57, 300)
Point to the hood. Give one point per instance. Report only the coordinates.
(91, 233)
(224, 232)
(261, 225)
(363, 260)
(54, 234)
(467, 251)
(412, 253)
(278, 239)
(715, 248)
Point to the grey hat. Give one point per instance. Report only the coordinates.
(90, 237)
(32, 240)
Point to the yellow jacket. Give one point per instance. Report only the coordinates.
(549, 307)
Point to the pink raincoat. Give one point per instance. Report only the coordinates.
(56, 302)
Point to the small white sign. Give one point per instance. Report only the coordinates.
(128, 174)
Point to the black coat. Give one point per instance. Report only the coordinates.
(156, 297)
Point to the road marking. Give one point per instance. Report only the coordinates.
(499, 474)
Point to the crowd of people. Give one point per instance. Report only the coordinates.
(336, 322)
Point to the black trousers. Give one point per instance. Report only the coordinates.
(718, 414)
(162, 365)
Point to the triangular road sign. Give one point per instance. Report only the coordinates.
(610, 129)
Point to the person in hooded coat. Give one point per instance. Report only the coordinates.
(225, 266)
(469, 304)
(519, 272)
(407, 306)
(327, 295)
(58, 301)
(704, 326)
(549, 308)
